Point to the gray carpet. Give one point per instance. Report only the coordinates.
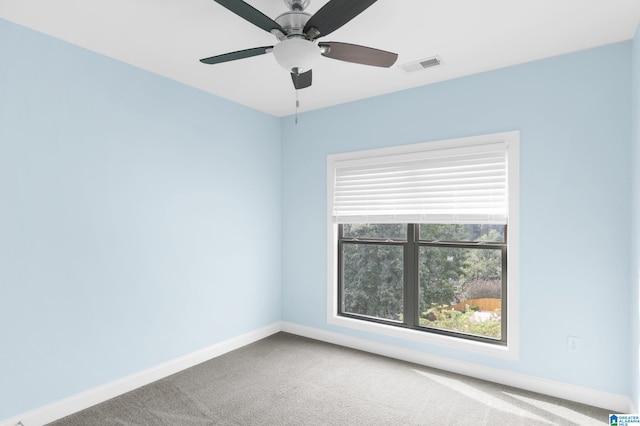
(291, 380)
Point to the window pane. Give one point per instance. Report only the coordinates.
(397, 231)
(459, 232)
(373, 280)
(461, 289)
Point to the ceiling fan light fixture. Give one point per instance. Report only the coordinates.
(296, 53)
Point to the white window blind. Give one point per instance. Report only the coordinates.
(462, 184)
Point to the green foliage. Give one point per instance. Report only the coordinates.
(464, 322)
(439, 274)
(373, 282)
(396, 231)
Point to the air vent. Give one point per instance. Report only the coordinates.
(421, 64)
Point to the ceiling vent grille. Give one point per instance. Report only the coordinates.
(421, 64)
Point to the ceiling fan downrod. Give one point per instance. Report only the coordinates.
(297, 5)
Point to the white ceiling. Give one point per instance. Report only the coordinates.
(168, 37)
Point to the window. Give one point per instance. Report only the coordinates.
(423, 242)
(455, 274)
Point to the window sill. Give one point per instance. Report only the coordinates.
(506, 352)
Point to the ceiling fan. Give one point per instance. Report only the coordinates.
(297, 33)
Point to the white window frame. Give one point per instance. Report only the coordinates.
(511, 350)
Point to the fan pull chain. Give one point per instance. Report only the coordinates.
(297, 106)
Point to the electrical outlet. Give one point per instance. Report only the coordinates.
(573, 344)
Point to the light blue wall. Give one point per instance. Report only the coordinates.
(574, 114)
(139, 220)
(635, 235)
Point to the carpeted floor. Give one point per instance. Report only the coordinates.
(291, 380)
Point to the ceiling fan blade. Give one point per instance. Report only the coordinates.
(358, 54)
(301, 81)
(333, 15)
(249, 13)
(240, 54)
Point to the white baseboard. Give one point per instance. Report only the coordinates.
(57, 410)
(84, 400)
(609, 401)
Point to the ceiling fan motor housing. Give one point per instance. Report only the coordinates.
(293, 23)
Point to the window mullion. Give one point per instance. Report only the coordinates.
(411, 294)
